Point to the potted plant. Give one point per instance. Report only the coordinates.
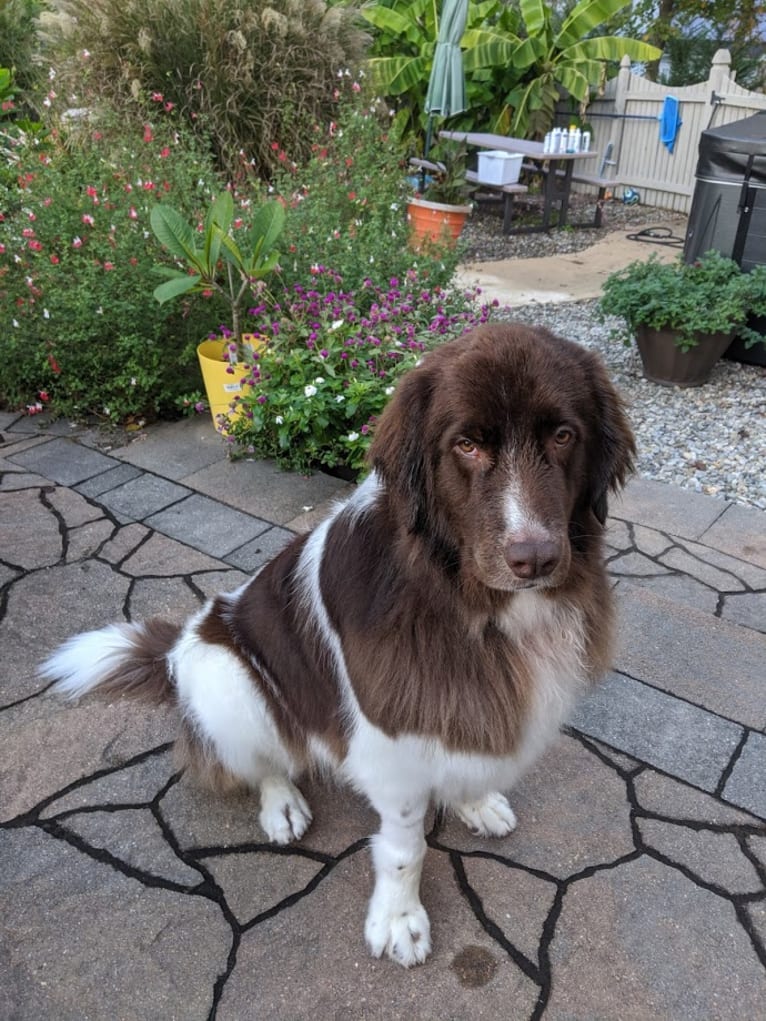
(683, 316)
(437, 216)
(216, 262)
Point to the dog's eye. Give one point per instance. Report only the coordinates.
(563, 436)
(466, 446)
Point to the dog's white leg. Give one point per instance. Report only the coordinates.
(397, 923)
(285, 815)
(490, 816)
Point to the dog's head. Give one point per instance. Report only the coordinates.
(499, 452)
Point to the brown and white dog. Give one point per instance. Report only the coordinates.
(425, 641)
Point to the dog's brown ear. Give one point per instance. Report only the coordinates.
(613, 444)
(398, 450)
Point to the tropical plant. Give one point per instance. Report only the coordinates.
(546, 56)
(710, 295)
(230, 266)
(401, 57)
(331, 360)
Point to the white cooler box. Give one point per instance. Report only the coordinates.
(498, 167)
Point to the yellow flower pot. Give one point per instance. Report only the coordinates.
(224, 382)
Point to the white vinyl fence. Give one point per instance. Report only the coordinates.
(628, 116)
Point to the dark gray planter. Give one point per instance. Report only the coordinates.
(665, 363)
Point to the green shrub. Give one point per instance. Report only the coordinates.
(244, 74)
(347, 203)
(76, 258)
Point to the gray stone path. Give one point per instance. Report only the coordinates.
(633, 888)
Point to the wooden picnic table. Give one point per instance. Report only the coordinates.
(557, 170)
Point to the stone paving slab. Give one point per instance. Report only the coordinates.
(667, 508)
(676, 737)
(140, 497)
(740, 532)
(634, 886)
(64, 462)
(207, 525)
(175, 449)
(712, 663)
(265, 490)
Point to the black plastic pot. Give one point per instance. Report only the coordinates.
(665, 363)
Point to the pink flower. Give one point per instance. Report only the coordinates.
(2, 249)
(28, 232)
(132, 213)
(108, 266)
(157, 97)
(148, 136)
(169, 106)
(164, 153)
(148, 185)
(77, 243)
(88, 219)
(31, 217)
(35, 246)
(91, 191)
(55, 260)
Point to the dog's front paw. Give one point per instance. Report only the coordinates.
(404, 935)
(491, 816)
(285, 816)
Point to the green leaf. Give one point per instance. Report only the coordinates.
(173, 288)
(583, 18)
(221, 211)
(174, 233)
(268, 224)
(395, 75)
(486, 48)
(574, 82)
(611, 48)
(534, 13)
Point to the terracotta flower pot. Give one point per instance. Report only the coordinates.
(665, 363)
(433, 223)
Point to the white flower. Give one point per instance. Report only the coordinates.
(388, 391)
(339, 399)
(319, 380)
(336, 325)
(15, 323)
(352, 437)
(279, 419)
(46, 314)
(309, 390)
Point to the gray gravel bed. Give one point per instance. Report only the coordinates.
(710, 439)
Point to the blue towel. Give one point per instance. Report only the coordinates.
(670, 122)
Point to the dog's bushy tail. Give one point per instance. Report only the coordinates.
(125, 659)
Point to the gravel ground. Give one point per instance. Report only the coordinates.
(711, 439)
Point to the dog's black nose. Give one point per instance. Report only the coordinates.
(529, 560)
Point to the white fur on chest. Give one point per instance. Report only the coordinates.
(550, 638)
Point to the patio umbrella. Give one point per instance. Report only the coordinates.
(446, 86)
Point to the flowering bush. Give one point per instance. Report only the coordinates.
(347, 204)
(76, 253)
(330, 361)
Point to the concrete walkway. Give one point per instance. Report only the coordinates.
(574, 276)
(634, 887)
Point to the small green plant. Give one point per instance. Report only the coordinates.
(221, 263)
(710, 295)
(448, 184)
(330, 361)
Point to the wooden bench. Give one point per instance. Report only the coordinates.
(603, 184)
(506, 190)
